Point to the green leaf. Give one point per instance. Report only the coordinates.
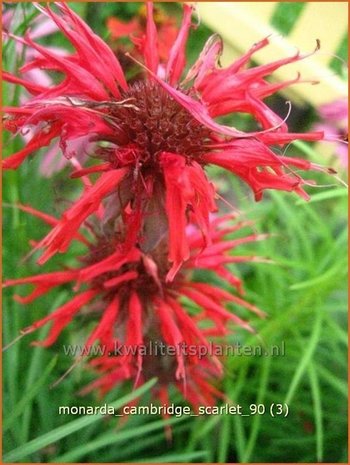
(316, 396)
(334, 271)
(29, 395)
(75, 425)
(174, 458)
(254, 431)
(113, 438)
(305, 359)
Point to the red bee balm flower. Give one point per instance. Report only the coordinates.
(134, 306)
(154, 136)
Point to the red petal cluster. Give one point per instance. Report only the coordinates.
(145, 215)
(135, 306)
(85, 107)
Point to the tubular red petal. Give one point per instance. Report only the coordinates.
(270, 138)
(171, 334)
(223, 82)
(134, 329)
(186, 186)
(41, 139)
(228, 245)
(259, 167)
(31, 87)
(51, 220)
(91, 169)
(128, 276)
(244, 59)
(111, 263)
(105, 329)
(211, 306)
(186, 322)
(151, 43)
(218, 293)
(61, 317)
(86, 81)
(206, 61)
(43, 283)
(62, 234)
(103, 50)
(176, 204)
(202, 199)
(92, 56)
(177, 56)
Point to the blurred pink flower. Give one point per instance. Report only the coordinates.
(334, 124)
(40, 27)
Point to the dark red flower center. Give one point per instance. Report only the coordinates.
(154, 122)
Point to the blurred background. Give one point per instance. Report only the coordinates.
(303, 292)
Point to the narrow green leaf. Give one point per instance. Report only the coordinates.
(316, 397)
(29, 395)
(305, 359)
(338, 384)
(113, 438)
(75, 425)
(256, 420)
(334, 271)
(224, 439)
(173, 458)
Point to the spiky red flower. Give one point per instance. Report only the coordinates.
(135, 30)
(126, 293)
(156, 135)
